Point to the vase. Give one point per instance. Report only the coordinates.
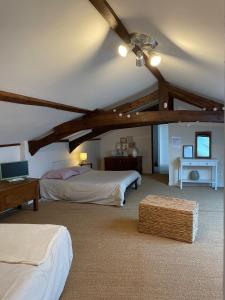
(194, 175)
(134, 152)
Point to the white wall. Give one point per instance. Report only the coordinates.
(8, 154)
(51, 157)
(142, 138)
(187, 134)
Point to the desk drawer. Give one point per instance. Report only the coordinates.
(199, 164)
(18, 195)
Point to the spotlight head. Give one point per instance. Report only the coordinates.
(155, 59)
(122, 50)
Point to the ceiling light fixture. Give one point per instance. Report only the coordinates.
(143, 45)
(122, 50)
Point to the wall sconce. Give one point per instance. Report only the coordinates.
(83, 157)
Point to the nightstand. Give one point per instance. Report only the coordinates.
(86, 164)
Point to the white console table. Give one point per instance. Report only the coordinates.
(188, 163)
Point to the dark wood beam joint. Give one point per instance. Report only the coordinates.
(164, 98)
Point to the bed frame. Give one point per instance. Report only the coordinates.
(135, 183)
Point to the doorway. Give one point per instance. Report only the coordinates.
(160, 149)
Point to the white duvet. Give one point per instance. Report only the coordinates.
(100, 187)
(43, 282)
(27, 243)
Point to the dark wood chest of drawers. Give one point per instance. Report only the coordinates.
(121, 163)
(13, 194)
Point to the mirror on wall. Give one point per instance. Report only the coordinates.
(203, 144)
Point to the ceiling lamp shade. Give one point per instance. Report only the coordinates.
(140, 61)
(122, 51)
(155, 59)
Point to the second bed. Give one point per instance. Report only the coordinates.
(100, 187)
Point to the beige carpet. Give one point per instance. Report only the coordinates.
(113, 261)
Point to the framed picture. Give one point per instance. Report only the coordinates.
(123, 140)
(187, 151)
(129, 139)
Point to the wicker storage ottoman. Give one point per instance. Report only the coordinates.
(169, 217)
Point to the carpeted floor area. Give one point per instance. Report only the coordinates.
(115, 262)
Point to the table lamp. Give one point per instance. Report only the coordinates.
(83, 157)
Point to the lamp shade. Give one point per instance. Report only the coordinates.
(83, 156)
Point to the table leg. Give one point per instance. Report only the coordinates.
(181, 177)
(35, 203)
(216, 177)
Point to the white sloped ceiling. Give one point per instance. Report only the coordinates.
(64, 51)
(191, 39)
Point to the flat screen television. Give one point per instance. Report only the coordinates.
(14, 170)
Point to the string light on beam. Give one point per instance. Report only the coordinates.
(120, 114)
(128, 116)
(214, 108)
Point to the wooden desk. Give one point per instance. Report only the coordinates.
(16, 193)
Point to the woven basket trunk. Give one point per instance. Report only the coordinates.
(169, 217)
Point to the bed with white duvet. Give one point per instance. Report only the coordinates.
(93, 186)
(34, 261)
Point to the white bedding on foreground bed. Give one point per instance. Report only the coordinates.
(100, 187)
(45, 281)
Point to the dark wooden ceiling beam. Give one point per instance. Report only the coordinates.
(26, 100)
(139, 103)
(123, 108)
(194, 99)
(77, 142)
(95, 133)
(163, 96)
(113, 20)
(116, 24)
(131, 119)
